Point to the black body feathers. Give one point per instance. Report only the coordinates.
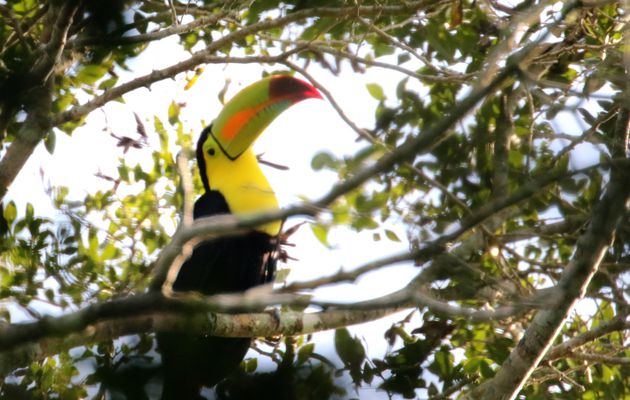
(229, 264)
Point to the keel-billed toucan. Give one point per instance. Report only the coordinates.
(233, 183)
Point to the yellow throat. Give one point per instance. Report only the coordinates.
(243, 184)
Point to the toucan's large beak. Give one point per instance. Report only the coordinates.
(252, 109)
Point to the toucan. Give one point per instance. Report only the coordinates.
(233, 182)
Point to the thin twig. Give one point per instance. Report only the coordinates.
(151, 36)
(360, 131)
(187, 218)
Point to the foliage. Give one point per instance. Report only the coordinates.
(105, 245)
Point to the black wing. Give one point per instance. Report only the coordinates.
(228, 264)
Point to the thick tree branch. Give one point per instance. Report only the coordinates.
(32, 131)
(38, 97)
(151, 311)
(50, 53)
(237, 325)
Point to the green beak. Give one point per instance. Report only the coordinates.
(252, 109)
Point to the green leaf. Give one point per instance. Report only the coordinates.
(443, 362)
(350, 349)
(189, 40)
(608, 374)
(588, 117)
(381, 49)
(281, 275)
(173, 113)
(30, 212)
(123, 172)
(403, 58)
(375, 91)
(593, 83)
(49, 141)
(391, 236)
(486, 370)
(5, 315)
(91, 73)
(10, 212)
(321, 233)
(162, 133)
(108, 83)
(323, 160)
(250, 365)
(64, 100)
(109, 251)
(305, 352)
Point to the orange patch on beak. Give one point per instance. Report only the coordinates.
(235, 124)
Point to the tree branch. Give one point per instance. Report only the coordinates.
(38, 95)
(324, 48)
(31, 132)
(567, 346)
(351, 275)
(207, 228)
(201, 57)
(600, 358)
(238, 325)
(50, 53)
(149, 36)
(20, 343)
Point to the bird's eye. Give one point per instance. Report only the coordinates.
(211, 151)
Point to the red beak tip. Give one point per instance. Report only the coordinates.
(297, 89)
(315, 94)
